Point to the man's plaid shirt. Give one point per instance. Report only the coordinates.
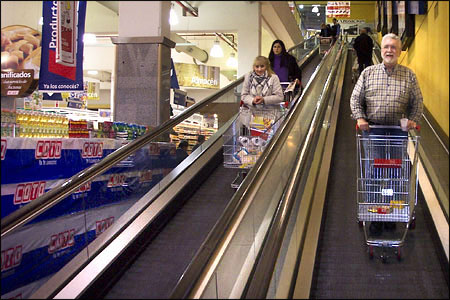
(385, 99)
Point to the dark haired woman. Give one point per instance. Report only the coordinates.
(284, 64)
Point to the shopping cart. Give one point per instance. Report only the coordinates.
(249, 135)
(386, 185)
(324, 45)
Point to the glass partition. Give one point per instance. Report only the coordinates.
(241, 249)
(303, 48)
(34, 252)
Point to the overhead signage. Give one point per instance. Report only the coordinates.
(179, 97)
(92, 90)
(352, 21)
(339, 9)
(55, 76)
(192, 75)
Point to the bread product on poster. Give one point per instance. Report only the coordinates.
(21, 48)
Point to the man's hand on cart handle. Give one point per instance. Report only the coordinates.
(413, 125)
(362, 124)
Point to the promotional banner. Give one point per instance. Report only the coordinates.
(21, 58)
(54, 76)
(67, 17)
(198, 75)
(339, 9)
(173, 77)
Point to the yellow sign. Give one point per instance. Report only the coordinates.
(198, 75)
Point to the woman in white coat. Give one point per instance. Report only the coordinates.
(262, 85)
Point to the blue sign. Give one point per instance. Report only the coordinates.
(55, 77)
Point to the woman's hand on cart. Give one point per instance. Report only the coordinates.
(258, 100)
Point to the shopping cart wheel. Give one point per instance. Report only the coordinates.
(412, 225)
(371, 252)
(399, 254)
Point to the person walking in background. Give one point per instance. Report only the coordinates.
(262, 85)
(284, 64)
(200, 140)
(324, 31)
(363, 46)
(181, 152)
(336, 28)
(384, 94)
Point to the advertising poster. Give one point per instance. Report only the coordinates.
(21, 58)
(198, 75)
(54, 76)
(67, 33)
(92, 90)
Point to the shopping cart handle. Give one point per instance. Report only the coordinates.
(388, 126)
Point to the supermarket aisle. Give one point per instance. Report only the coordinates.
(343, 268)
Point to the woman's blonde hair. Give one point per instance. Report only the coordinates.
(262, 60)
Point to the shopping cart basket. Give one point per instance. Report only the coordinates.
(324, 45)
(248, 136)
(386, 184)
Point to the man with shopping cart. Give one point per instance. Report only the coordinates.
(384, 94)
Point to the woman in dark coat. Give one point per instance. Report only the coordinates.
(284, 64)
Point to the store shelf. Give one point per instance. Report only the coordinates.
(191, 128)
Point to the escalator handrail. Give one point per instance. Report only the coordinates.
(30, 211)
(300, 44)
(33, 209)
(258, 284)
(187, 282)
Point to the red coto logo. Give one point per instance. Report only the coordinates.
(26, 192)
(61, 240)
(102, 225)
(84, 188)
(92, 149)
(145, 176)
(116, 180)
(48, 150)
(11, 257)
(4, 146)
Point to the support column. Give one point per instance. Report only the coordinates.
(249, 37)
(142, 71)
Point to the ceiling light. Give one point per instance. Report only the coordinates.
(92, 72)
(318, 14)
(301, 6)
(216, 50)
(315, 9)
(173, 19)
(89, 38)
(232, 61)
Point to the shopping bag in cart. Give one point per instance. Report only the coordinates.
(245, 116)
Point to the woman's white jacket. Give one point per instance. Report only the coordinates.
(274, 93)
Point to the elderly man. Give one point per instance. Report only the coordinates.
(383, 94)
